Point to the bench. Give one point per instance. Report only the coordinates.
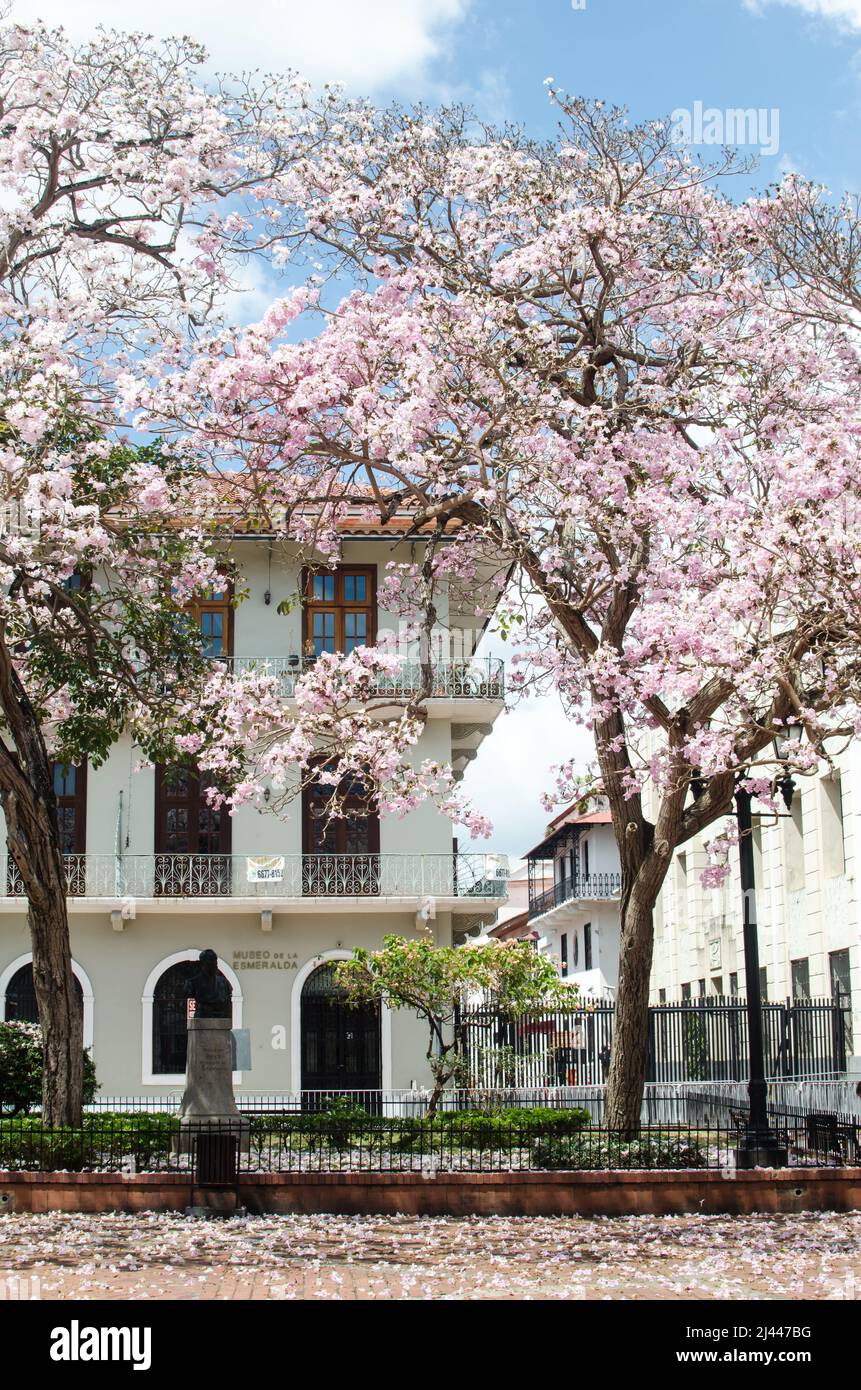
(826, 1133)
(740, 1119)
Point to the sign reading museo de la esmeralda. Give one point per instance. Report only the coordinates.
(265, 960)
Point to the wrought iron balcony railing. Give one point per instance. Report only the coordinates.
(595, 888)
(278, 876)
(481, 678)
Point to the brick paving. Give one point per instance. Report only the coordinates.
(813, 1256)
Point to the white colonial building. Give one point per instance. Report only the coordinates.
(806, 864)
(155, 874)
(574, 882)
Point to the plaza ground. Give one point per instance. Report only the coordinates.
(57, 1256)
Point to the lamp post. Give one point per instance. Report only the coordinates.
(759, 1146)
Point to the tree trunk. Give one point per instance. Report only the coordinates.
(30, 808)
(435, 1098)
(60, 1014)
(627, 1076)
(442, 1070)
(34, 845)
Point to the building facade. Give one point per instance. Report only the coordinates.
(155, 874)
(574, 882)
(805, 862)
(512, 919)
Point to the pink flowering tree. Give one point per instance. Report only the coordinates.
(343, 735)
(638, 395)
(123, 188)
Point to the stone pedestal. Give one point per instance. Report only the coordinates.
(208, 1103)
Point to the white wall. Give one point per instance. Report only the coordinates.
(807, 898)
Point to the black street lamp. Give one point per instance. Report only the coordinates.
(759, 1146)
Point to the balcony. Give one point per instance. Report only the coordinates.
(464, 880)
(480, 678)
(595, 888)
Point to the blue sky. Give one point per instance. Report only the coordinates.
(800, 58)
(667, 54)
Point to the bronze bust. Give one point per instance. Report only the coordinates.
(209, 990)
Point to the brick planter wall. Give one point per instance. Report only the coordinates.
(452, 1194)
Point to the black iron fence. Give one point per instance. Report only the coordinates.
(696, 1040)
(470, 1141)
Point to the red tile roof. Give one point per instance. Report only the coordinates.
(593, 818)
(567, 818)
(514, 928)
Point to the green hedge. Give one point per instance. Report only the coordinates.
(554, 1139)
(470, 1129)
(592, 1151)
(102, 1141)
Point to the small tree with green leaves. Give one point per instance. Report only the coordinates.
(436, 981)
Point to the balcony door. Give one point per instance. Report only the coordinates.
(192, 838)
(210, 616)
(70, 791)
(339, 613)
(341, 855)
(213, 614)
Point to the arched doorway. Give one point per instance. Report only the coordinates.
(169, 1017)
(341, 1047)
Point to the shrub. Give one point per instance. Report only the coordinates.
(104, 1141)
(513, 1126)
(336, 1126)
(478, 1129)
(594, 1149)
(21, 1069)
(546, 1118)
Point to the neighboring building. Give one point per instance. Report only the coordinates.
(155, 875)
(512, 919)
(806, 862)
(574, 882)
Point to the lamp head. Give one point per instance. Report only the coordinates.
(792, 734)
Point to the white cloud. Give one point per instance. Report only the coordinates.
(367, 44)
(512, 770)
(846, 13)
(253, 291)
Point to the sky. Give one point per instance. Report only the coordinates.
(795, 63)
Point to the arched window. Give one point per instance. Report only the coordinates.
(169, 1017)
(21, 1006)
